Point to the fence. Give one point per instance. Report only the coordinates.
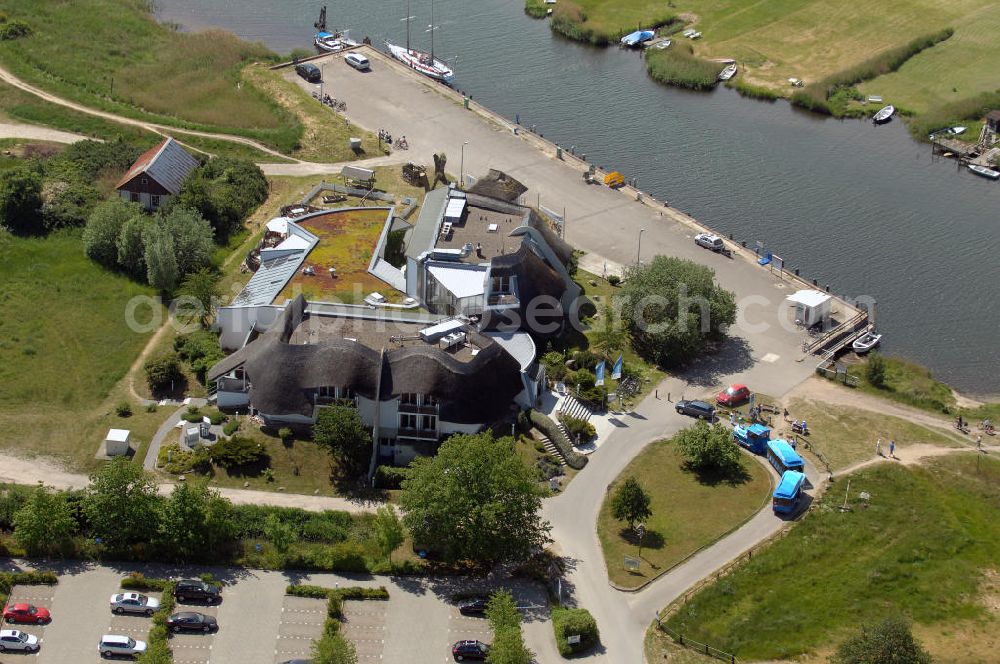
(698, 646)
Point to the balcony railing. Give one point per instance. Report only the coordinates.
(425, 409)
(232, 385)
(502, 300)
(420, 434)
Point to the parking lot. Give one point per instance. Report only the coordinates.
(260, 624)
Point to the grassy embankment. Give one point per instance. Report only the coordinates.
(679, 66)
(924, 545)
(113, 55)
(689, 512)
(64, 346)
(601, 22)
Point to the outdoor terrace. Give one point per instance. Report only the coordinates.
(376, 334)
(486, 229)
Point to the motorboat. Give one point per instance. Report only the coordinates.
(333, 42)
(884, 114)
(984, 171)
(728, 72)
(866, 342)
(636, 38)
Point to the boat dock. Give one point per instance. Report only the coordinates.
(961, 150)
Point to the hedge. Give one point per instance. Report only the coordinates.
(10, 579)
(571, 622)
(157, 645)
(335, 609)
(545, 424)
(139, 581)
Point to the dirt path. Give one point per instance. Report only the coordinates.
(164, 130)
(36, 133)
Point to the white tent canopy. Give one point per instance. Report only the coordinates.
(278, 225)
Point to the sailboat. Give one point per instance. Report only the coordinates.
(425, 63)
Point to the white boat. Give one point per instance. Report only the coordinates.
(636, 38)
(663, 44)
(866, 342)
(688, 32)
(696, 35)
(728, 72)
(950, 131)
(333, 42)
(985, 172)
(424, 63)
(884, 114)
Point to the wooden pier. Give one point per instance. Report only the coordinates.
(961, 150)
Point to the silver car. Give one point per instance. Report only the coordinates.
(16, 640)
(134, 603)
(116, 644)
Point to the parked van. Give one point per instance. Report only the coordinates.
(357, 61)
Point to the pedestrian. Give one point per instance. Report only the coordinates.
(878, 447)
(892, 449)
(732, 418)
(979, 442)
(786, 415)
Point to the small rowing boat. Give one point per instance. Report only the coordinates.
(984, 172)
(884, 114)
(866, 342)
(728, 72)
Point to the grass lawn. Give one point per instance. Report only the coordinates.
(59, 364)
(687, 512)
(926, 546)
(909, 383)
(531, 452)
(112, 54)
(326, 134)
(608, 19)
(845, 435)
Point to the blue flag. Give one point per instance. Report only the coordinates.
(599, 370)
(616, 371)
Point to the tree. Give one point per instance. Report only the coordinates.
(630, 503)
(224, 191)
(609, 338)
(130, 245)
(44, 523)
(672, 307)
(121, 504)
(66, 204)
(100, 235)
(202, 286)
(162, 371)
(389, 531)
(476, 500)
(508, 642)
(709, 449)
(161, 262)
(192, 239)
(334, 649)
(196, 522)
(21, 200)
(341, 431)
(875, 371)
(889, 642)
(280, 533)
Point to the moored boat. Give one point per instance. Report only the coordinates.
(636, 38)
(424, 63)
(884, 114)
(984, 171)
(866, 342)
(663, 44)
(333, 42)
(728, 72)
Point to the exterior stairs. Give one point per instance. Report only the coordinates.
(551, 448)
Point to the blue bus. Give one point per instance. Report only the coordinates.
(783, 457)
(785, 498)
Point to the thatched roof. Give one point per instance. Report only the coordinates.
(535, 279)
(559, 247)
(497, 184)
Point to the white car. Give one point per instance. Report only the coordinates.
(709, 241)
(358, 61)
(15, 639)
(116, 644)
(134, 603)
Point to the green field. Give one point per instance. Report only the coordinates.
(812, 39)
(687, 513)
(112, 55)
(926, 545)
(64, 344)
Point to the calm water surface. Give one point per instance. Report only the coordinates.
(862, 208)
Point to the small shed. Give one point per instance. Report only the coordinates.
(190, 435)
(812, 307)
(358, 176)
(117, 442)
(993, 121)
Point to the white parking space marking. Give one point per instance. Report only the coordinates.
(301, 623)
(364, 626)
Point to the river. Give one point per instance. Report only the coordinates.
(862, 208)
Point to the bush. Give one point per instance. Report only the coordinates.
(238, 451)
(329, 527)
(140, 582)
(571, 622)
(390, 477)
(163, 372)
(577, 427)
(544, 424)
(158, 648)
(216, 417)
(614, 279)
(680, 67)
(124, 409)
(200, 349)
(232, 426)
(555, 365)
(14, 29)
(710, 449)
(875, 370)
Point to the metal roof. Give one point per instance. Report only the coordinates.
(167, 163)
(425, 230)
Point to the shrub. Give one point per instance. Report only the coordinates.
(151, 407)
(216, 417)
(200, 349)
(162, 371)
(238, 451)
(555, 365)
(571, 622)
(875, 371)
(535, 8)
(549, 428)
(614, 279)
(14, 29)
(577, 427)
(124, 409)
(710, 449)
(680, 67)
(329, 527)
(232, 426)
(140, 582)
(390, 477)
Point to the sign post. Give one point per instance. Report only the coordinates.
(641, 532)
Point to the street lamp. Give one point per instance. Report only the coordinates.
(638, 251)
(461, 170)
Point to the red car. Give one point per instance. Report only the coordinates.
(26, 613)
(733, 395)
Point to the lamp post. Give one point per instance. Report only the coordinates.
(461, 170)
(638, 250)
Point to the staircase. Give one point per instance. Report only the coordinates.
(570, 406)
(551, 448)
